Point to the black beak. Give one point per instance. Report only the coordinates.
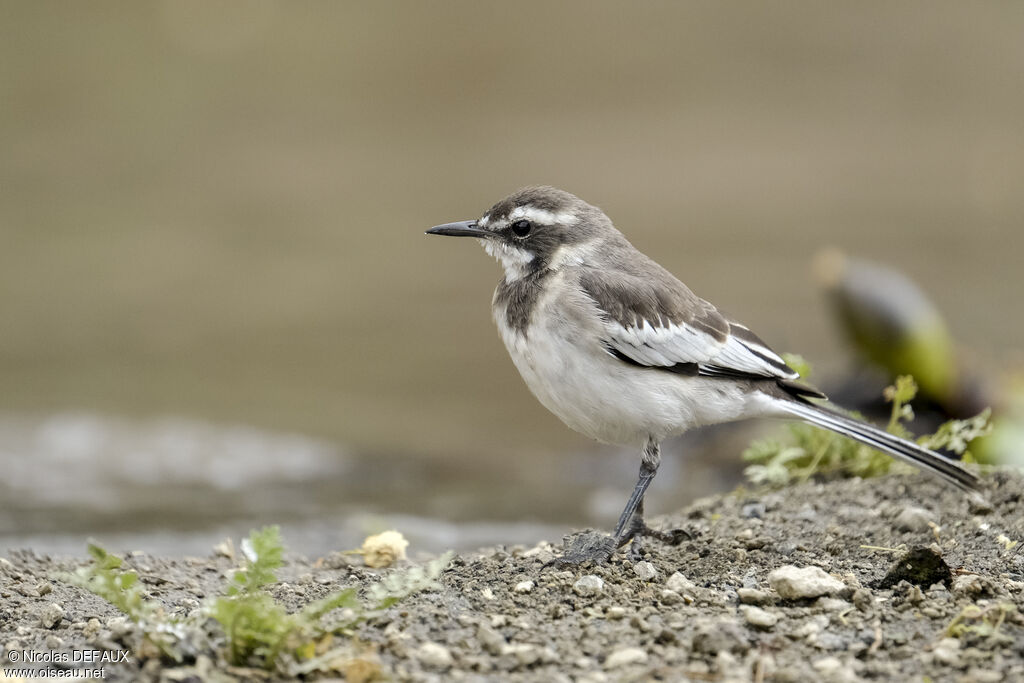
(459, 229)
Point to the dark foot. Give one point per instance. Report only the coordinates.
(639, 532)
(587, 546)
(597, 548)
(671, 538)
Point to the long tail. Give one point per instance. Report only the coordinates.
(910, 452)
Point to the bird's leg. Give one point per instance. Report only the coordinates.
(631, 527)
(632, 518)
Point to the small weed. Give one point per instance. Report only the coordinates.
(254, 629)
(809, 450)
(105, 578)
(981, 623)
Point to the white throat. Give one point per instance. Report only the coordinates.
(513, 259)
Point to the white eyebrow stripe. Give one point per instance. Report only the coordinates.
(542, 216)
(484, 221)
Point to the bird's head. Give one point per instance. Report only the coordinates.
(533, 229)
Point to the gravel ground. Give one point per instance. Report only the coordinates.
(897, 578)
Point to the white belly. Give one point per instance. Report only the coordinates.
(596, 394)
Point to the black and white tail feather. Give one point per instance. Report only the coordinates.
(905, 450)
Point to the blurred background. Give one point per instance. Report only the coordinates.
(219, 309)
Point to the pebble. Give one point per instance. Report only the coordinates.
(615, 612)
(758, 617)
(862, 599)
(831, 604)
(827, 666)
(970, 585)
(490, 639)
(670, 597)
(625, 657)
(913, 518)
(92, 627)
(524, 587)
(51, 615)
(434, 655)
(947, 651)
(644, 571)
(680, 584)
(753, 596)
(525, 654)
(53, 642)
(978, 505)
(793, 583)
(588, 585)
(713, 637)
(584, 663)
(753, 511)
(807, 513)
(829, 641)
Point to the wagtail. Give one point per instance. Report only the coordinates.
(622, 351)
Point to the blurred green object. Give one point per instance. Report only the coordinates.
(891, 322)
(1006, 443)
(893, 325)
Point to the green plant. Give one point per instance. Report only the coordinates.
(105, 578)
(254, 629)
(982, 623)
(258, 629)
(808, 450)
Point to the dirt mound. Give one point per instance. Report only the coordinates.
(739, 601)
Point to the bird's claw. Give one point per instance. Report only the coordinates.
(669, 537)
(640, 532)
(597, 548)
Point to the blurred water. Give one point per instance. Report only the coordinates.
(179, 486)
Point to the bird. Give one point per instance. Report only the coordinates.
(623, 352)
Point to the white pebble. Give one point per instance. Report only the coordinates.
(947, 651)
(51, 615)
(588, 585)
(644, 571)
(832, 604)
(913, 518)
(758, 617)
(680, 584)
(434, 655)
(524, 653)
(752, 596)
(670, 597)
(625, 657)
(524, 587)
(827, 666)
(793, 583)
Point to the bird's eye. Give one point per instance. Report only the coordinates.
(521, 228)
